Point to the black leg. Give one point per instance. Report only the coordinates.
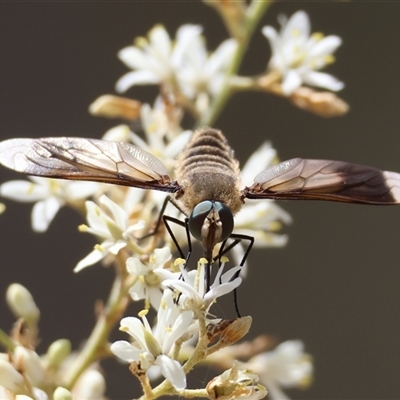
(237, 238)
(159, 219)
(167, 220)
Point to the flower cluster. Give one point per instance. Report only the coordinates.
(183, 67)
(130, 236)
(122, 220)
(24, 374)
(298, 56)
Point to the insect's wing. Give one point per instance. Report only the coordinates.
(299, 179)
(86, 159)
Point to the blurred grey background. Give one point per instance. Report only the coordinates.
(335, 286)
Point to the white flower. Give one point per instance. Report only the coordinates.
(110, 224)
(193, 287)
(151, 348)
(286, 366)
(298, 56)
(162, 118)
(48, 194)
(183, 66)
(202, 75)
(260, 220)
(150, 276)
(155, 60)
(158, 138)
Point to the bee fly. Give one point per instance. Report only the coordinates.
(207, 187)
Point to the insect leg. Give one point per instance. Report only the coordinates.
(167, 220)
(237, 238)
(159, 219)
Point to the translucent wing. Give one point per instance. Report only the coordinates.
(86, 159)
(300, 179)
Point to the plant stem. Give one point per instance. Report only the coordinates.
(6, 341)
(254, 13)
(98, 339)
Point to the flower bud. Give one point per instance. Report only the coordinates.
(62, 394)
(119, 133)
(115, 107)
(57, 352)
(22, 304)
(90, 386)
(324, 104)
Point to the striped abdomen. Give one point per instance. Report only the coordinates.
(208, 170)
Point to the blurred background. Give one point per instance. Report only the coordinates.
(336, 284)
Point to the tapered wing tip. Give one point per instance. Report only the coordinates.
(392, 181)
(13, 153)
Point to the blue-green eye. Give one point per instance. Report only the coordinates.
(200, 213)
(226, 218)
(198, 216)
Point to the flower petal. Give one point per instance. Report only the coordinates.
(221, 290)
(133, 57)
(183, 287)
(221, 57)
(135, 266)
(325, 46)
(173, 371)
(162, 256)
(24, 191)
(125, 350)
(134, 327)
(291, 82)
(160, 41)
(178, 329)
(92, 258)
(43, 213)
(117, 212)
(155, 295)
(298, 27)
(116, 247)
(323, 80)
(96, 218)
(272, 35)
(184, 37)
(261, 159)
(141, 77)
(81, 190)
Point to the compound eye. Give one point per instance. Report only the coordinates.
(226, 218)
(198, 216)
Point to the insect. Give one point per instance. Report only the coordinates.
(207, 186)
